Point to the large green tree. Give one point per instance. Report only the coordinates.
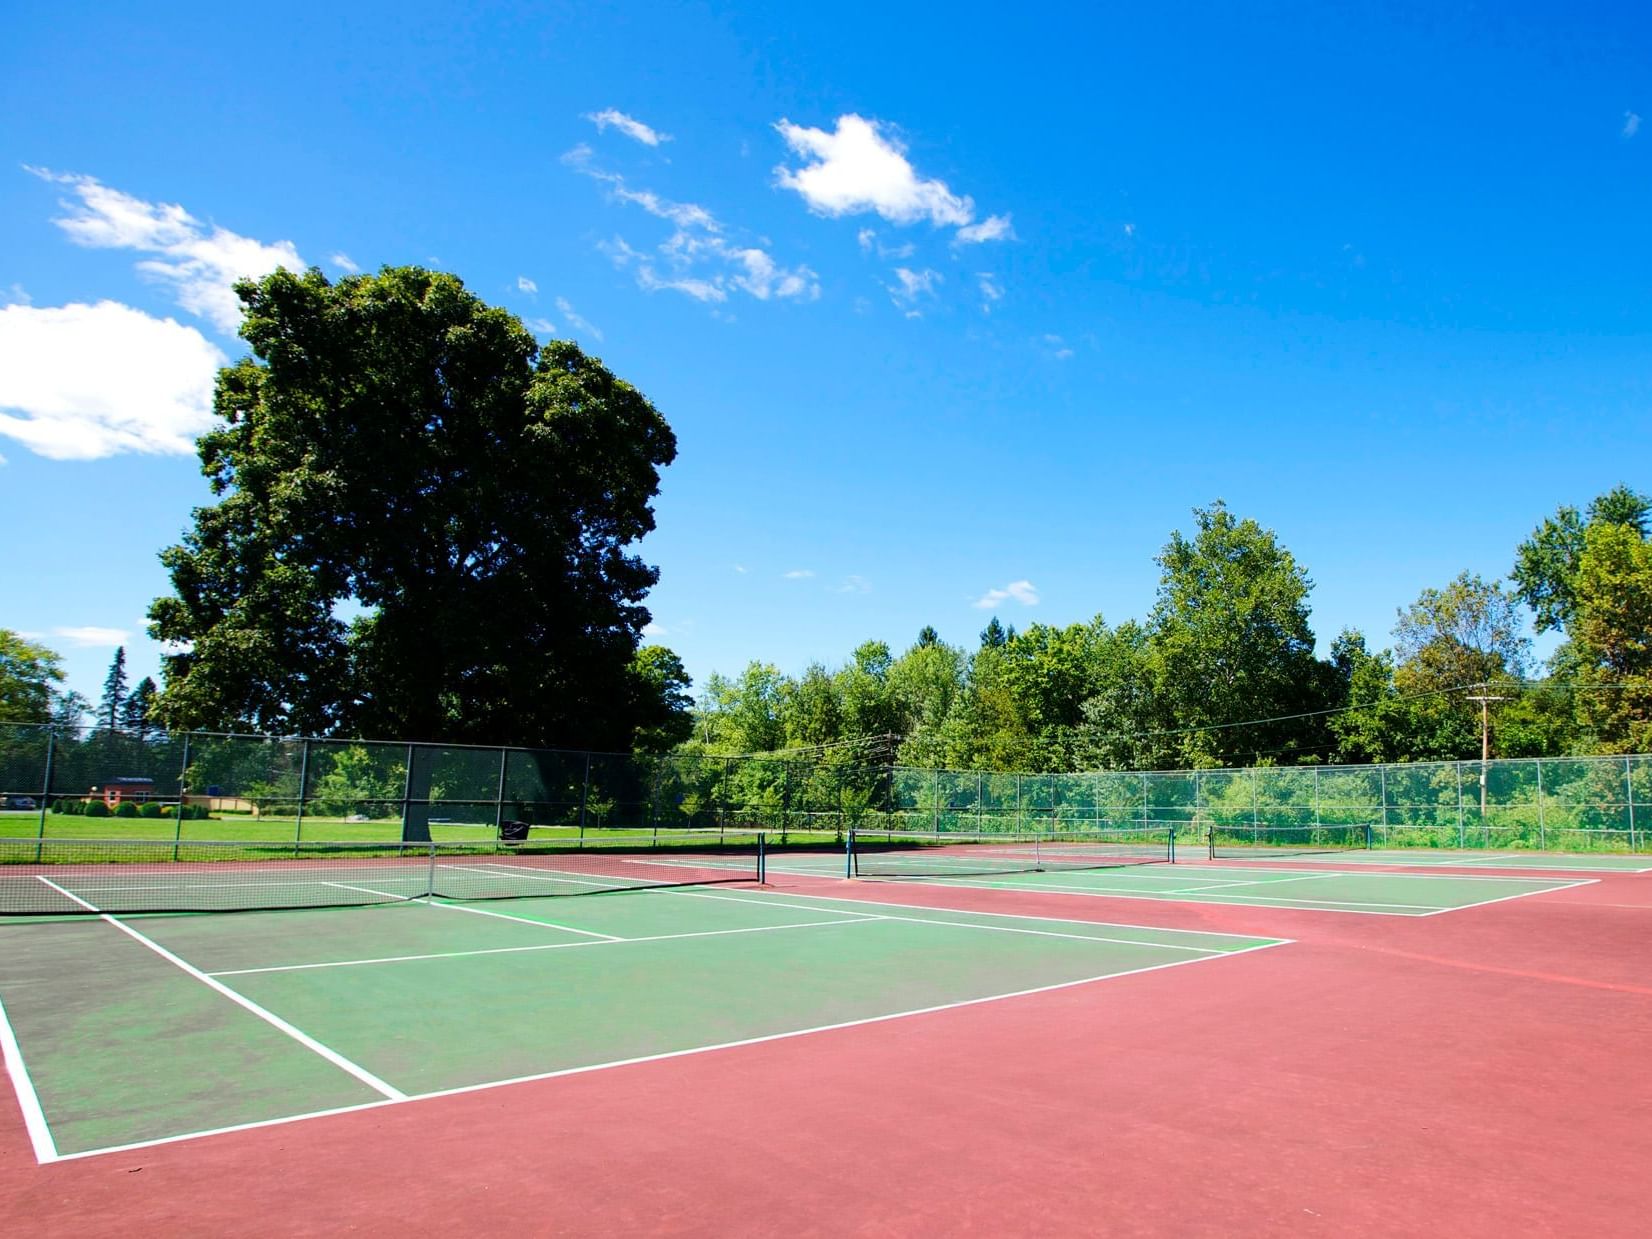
(422, 529)
(29, 676)
(1612, 636)
(1546, 565)
(1231, 641)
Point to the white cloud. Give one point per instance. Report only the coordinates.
(1631, 124)
(525, 285)
(913, 285)
(858, 168)
(741, 569)
(628, 125)
(80, 382)
(799, 574)
(865, 237)
(199, 263)
(540, 326)
(1023, 592)
(1129, 230)
(1059, 348)
(92, 637)
(991, 290)
(343, 262)
(579, 322)
(16, 294)
(697, 260)
(855, 585)
(653, 629)
(992, 228)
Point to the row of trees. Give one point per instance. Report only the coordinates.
(1223, 670)
(424, 522)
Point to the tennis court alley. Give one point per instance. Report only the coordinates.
(142, 1026)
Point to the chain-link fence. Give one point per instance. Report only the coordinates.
(62, 782)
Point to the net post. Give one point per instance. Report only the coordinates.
(430, 874)
(762, 859)
(849, 853)
(1369, 842)
(1210, 838)
(1171, 854)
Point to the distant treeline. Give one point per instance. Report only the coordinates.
(1223, 670)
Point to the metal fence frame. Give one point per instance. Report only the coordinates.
(308, 787)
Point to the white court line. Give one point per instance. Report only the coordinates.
(1005, 929)
(1294, 874)
(1559, 886)
(503, 916)
(994, 928)
(762, 897)
(668, 1054)
(1107, 892)
(34, 1118)
(269, 1017)
(543, 946)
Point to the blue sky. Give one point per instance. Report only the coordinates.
(944, 312)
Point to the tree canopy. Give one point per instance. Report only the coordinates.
(422, 528)
(29, 676)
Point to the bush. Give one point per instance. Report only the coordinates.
(149, 809)
(96, 808)
(126, 809)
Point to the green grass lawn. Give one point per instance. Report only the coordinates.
(239, 828)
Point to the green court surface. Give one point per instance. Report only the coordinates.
(144, 1029)
(1316, 889)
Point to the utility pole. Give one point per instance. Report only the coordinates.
(1485, 700)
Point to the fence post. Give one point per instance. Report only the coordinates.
(1255, 781)
(303, 789)
(1316, 795)
(1542, 833)
(499, 797)
(1629, 796)
(183, 789)
(977, 802)
(584, 795)
(1382, 792)
(45, 792)
(1020, 824)
(936, 799)
(1458, 767)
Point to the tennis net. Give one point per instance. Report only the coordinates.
(886, 854)
(68, 876)
(1239, 842)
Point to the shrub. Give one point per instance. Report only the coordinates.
(149, 809)
(126, 809)
(96, 808)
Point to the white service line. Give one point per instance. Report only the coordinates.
(670, 1054)
(269, 1017)
(1002, 929)
(503, 916)
(544, 946)
(1561, 886)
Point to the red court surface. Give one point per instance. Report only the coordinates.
(1477, 1073)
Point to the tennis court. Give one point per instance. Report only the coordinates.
(127, 1031)
(1129, 868)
